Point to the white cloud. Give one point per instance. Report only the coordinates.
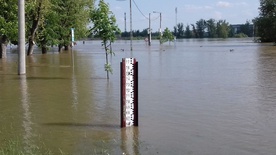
(194, 8)
(242, 4)
(223, 4)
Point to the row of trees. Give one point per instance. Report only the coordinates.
(139, 34)
(263, 26)
(202, 29)
(48, 22)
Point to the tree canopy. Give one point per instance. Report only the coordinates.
(9, 19)
(64, 15)
(8, 24)
(203, 29)
(48, 22)
(167, 36)
(266, 22)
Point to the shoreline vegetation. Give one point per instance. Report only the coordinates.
(157, 38)
(254, 39)
(48, 26)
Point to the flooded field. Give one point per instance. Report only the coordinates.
(196, 97)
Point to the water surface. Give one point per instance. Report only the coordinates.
(195, 97)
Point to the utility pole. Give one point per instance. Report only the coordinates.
(21, 38)
(125, 22)
(130, 14)
(160, 29)
(176, 31)
(130, 25)
(149, 32)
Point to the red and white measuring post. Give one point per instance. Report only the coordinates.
(129, 92)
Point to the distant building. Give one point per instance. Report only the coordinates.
(243, 28)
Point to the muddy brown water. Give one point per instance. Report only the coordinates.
(197, 96)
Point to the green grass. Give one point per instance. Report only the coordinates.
(14, 147)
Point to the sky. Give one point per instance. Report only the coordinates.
(188, 12)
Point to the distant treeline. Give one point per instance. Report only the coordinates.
(202, 29)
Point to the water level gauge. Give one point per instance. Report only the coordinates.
(129, 92)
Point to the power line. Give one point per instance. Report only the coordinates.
(143, 13)
(139, 9)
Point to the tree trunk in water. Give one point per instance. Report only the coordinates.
(3, 51)
(31, 46)
(3, 48)
(106, 61)
(66, 47)
(59, 47)
(34, 27)
(44, 49)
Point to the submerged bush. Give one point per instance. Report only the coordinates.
(240, 35)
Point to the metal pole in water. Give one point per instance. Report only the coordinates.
(21, 38)
(130, 20)
(129, 92)
(73, 44)
(149, 32)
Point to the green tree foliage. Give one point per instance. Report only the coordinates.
(167, 36)
(200, 27)
(8, 24)
(105, 27)
(266, 22)
(64, 15)
(195, 32)
(211, 28)
(204, 28)
(179, 30)
(36, 12)
(188, 33)
(9, 19)
(223, 29)
(48, 22)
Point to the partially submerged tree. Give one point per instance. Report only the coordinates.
(36, 12)
(8, 24)
(167, 36)
(188, 33)
(179, 30)
(195, 32)
(200, 27)
(105, 28)
(223, 29)
(64, 15)
(211, 28)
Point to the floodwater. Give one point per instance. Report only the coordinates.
(196, 97)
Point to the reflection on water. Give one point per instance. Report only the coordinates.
(195, 97)
(130, 140)
(27, 123)
(74, 90)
